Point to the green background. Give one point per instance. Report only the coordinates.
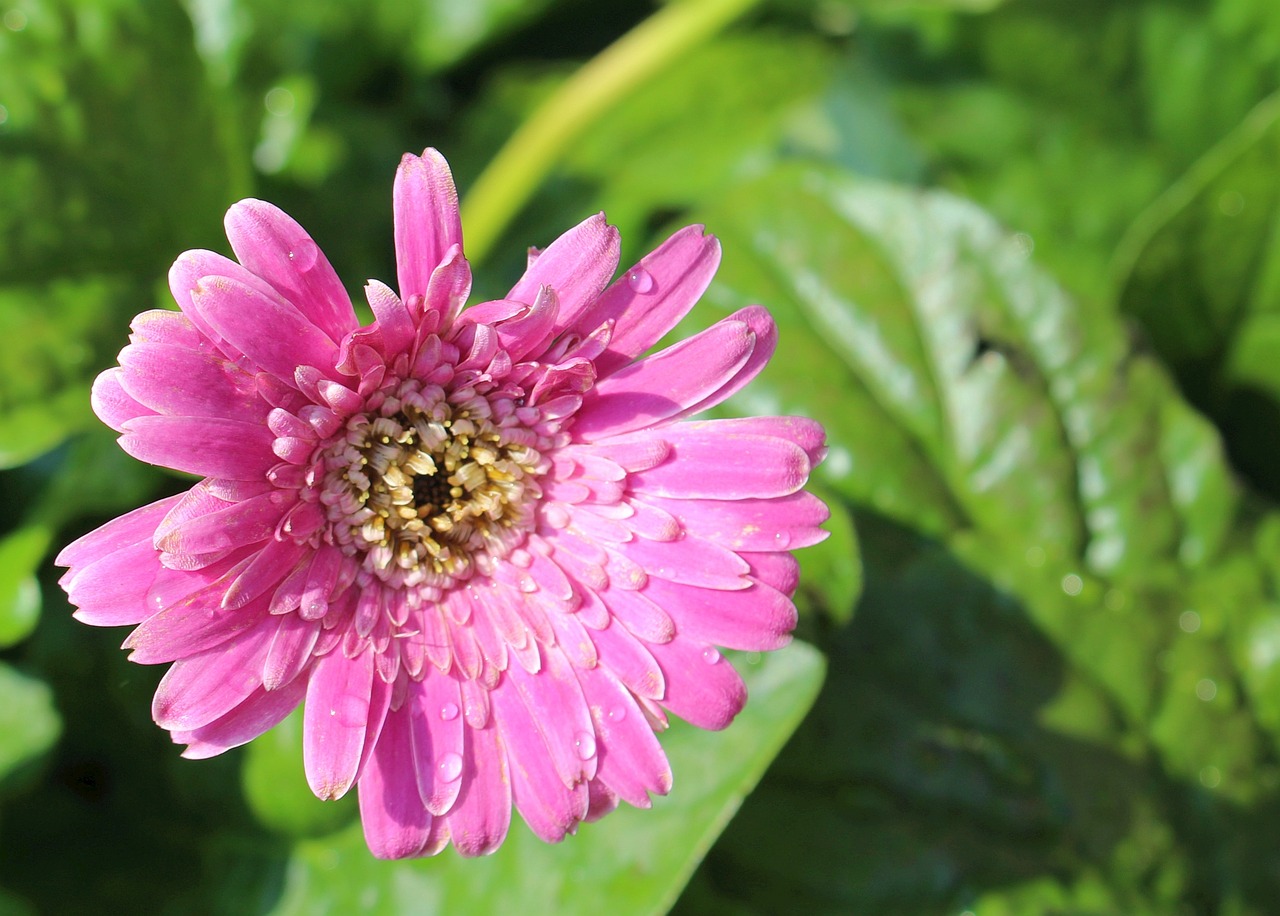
(1025, 261)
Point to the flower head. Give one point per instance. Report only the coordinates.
(484, 548)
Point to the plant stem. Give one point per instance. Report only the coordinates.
(518, 169)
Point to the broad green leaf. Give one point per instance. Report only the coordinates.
(20, 553)
(29, 724)
(630, 862)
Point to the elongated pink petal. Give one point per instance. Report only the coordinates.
(632, 763)
(161, 326)
(189, 383)
(290, 651)
(234, 525)
(706, 464)
(396, 825)
(208, 447)
(550, 808)
(577, 265)
(426, 219)
(660, 386)
(197, 690)
(779, 523)
(756, 619)
(128, 529)
(691, 561)
(113, 405)
(702, 687)
(261, 711)
(272, 333)
(112, 590)
(192, 626)
(554, 700)
(335, 720)
(479, 821)
(270, 244)
(649, 300)
(436, 727)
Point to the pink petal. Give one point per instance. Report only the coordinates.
(261, 711)
(396, 826)
(335, 721)
(640, 615)
(436, 729)
(275, 562)
(112, 590)
(632, 762)
(702, 687)
(806, 433)
(690, 560)
(270, 244)
(756, 619)
(550, 808)
(710, 461)
(556, 706)
(290, 650)
(777, 570)
(185, 276)
(197, 690)
(189, 383)
(206, 447)
(577, 265)
(630, 660)
(393, 319)
(780, 523)
(479, 820)
(236, 525)
(650, 299)
(449, 286)
(112, 404)
(766, 334)
(128, 529)
(193, 626)
(660, 386)
(161, 326)
(425, 202)
(272, 333)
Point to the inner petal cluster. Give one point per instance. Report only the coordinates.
(426, 486)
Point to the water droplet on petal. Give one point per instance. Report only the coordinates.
(782, 539)
(449, 711)
(303, 254)
(585, 744)
(617, 714)
(710, 655)
(640, 280)
(450, 767)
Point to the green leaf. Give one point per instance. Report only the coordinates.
(20, 553)
(29, 724)
(967, 396)
(630, 862)
(831, 572)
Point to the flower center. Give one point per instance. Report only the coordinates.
(432, 485)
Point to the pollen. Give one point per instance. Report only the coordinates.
(433, 486)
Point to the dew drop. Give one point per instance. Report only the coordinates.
(710, 655)
(449, 711)
(303, 254)
(617, 714)
(450, 767)
(640, 280)
(782, 539)
(585, 744)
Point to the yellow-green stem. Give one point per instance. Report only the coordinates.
(521, 165)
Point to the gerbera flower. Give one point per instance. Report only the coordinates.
(484, 547)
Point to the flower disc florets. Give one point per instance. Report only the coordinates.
(426, 486)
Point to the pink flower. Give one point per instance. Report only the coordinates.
(485, 548)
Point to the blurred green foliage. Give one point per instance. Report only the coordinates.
(1024, 263)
